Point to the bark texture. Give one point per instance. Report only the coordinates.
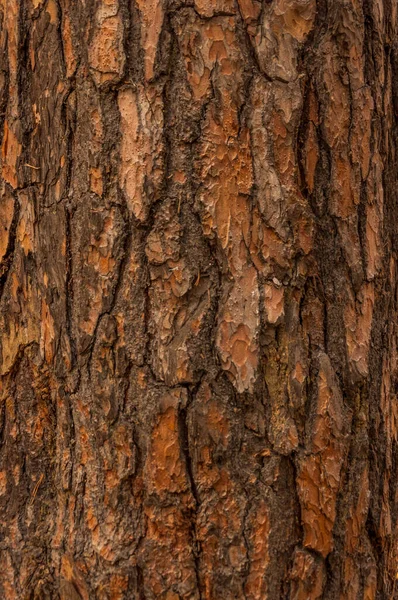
(198, 283)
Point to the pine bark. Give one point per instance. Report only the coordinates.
(198, 287)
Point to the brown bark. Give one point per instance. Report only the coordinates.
(198, 283)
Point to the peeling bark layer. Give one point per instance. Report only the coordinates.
(198, 299)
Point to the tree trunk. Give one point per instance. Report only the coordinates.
(198, 283)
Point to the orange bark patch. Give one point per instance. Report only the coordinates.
(285, 24)
(374, 218)
(117, 586)
(208, 8)
(96, 184)
(298, 17)
(226, 174)
(168, 562)
(308, 576)
(267, 244)
(343, 198)
(52, 11)
(10, 25)
(151, 26)
(166, 554)
(6, 215)
(237, 334)
(273, 302)
(357, 517)
(319, 473)
(10, 152)
(25, 229)
(361, 132)
(258, 556)
(3, 482)
(165, 469)
(358, 317)
(68, 46)
(222, 507)
(250, 9)
(8, 580)
(106, 51)
(71, 574)
(47, 336)
(99, 257)
(140, 153)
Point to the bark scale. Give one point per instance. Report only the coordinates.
(198, 284)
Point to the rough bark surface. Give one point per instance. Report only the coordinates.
(198, 283)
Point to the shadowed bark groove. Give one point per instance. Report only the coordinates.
(198, 299)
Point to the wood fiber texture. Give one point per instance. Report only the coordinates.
(198, 299)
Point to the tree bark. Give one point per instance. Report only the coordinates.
(198, 283)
